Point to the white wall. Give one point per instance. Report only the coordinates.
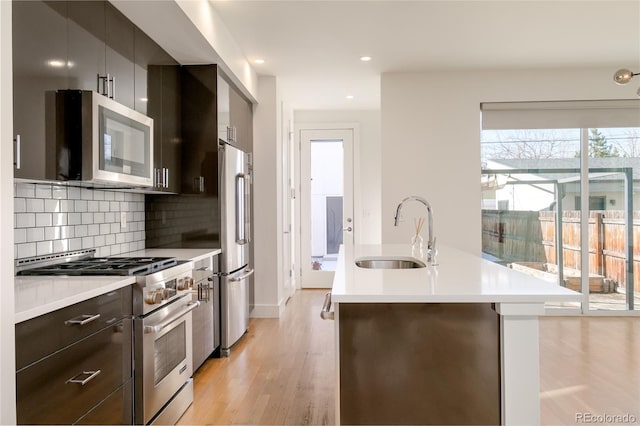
(267, 201)
(7, 310)
(431, 137)
(367, 184)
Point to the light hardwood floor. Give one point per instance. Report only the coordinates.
(282, 371)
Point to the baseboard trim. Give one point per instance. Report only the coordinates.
(268, 311)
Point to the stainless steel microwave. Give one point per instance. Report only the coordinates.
(97, 139)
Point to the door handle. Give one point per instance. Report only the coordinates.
(347, 229)
(326, 313)
(249, 272)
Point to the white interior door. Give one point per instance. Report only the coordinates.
(326, 192)
(287, 201)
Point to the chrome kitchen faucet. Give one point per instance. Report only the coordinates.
(431, 242)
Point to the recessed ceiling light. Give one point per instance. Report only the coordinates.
(365, 58)
(349, 96)
(259, 61)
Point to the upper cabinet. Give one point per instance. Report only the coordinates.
(76, 45)
(235, 116)
(40, 65)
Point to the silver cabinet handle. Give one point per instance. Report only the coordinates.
(204, 268)
(348, 229)
(92, 375)
(82, 319)
(326, 313)
(113, 87)
(148, 329)
(166, 177)
(249, 272)
(17, 163)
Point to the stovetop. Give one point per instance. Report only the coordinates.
(105, 266)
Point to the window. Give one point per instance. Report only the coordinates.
(538, 159)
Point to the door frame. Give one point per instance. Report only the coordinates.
(357, 203)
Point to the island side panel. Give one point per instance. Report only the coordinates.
(419, 363)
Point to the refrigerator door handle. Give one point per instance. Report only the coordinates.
(241, 237)
(247, 274)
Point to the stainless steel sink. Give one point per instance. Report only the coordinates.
(389, 263)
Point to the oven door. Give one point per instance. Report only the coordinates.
(166, 355)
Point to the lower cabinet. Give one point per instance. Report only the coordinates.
(88, 381)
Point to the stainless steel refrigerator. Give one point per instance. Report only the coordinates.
(235, 265)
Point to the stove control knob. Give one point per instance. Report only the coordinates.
(153, 297)
(181, 284)
(190, 281)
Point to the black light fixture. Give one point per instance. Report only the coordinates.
(624, 76)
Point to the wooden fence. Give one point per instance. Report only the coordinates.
(520, 236)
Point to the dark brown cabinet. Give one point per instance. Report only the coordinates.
(241, 120)
(39, 65)
(75, 42)
(164, 87)
(75, 364)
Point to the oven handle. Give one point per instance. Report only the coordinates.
(149, 329)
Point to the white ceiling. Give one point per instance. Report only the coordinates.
(313, 47)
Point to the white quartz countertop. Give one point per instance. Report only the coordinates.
(193, 254)
(35, 296)
(459, 278)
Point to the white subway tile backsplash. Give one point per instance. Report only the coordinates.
(67, 206)
(35, 205)
(43, 191)
(87, 218)
(94, 229)
(25, 220)
(99, 240)
(26, 250)
(60, 246)
(67, 232)
(59, 192)
(19, 235)
(105, 228)
(87, 243)
(52, 206)
(52, 233)
(73, 193)
(59, 219)
(75, 244)
(43, 219)
(26, 190)
(80, 206)
(35, 234)
(44, 247)
(52, 219)
(81, 230)
(19, 205)
(86, 194)
(74, 218)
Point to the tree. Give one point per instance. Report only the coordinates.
(599, 147)
(630, 147)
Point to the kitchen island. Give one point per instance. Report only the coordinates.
(455, 343)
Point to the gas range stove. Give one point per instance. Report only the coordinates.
(105, 266)
(159, 280)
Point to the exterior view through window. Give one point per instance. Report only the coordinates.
(532, 205)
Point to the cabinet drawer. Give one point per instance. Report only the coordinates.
(40, 336)
(45, 393)
(117, 409)
(203, 268)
